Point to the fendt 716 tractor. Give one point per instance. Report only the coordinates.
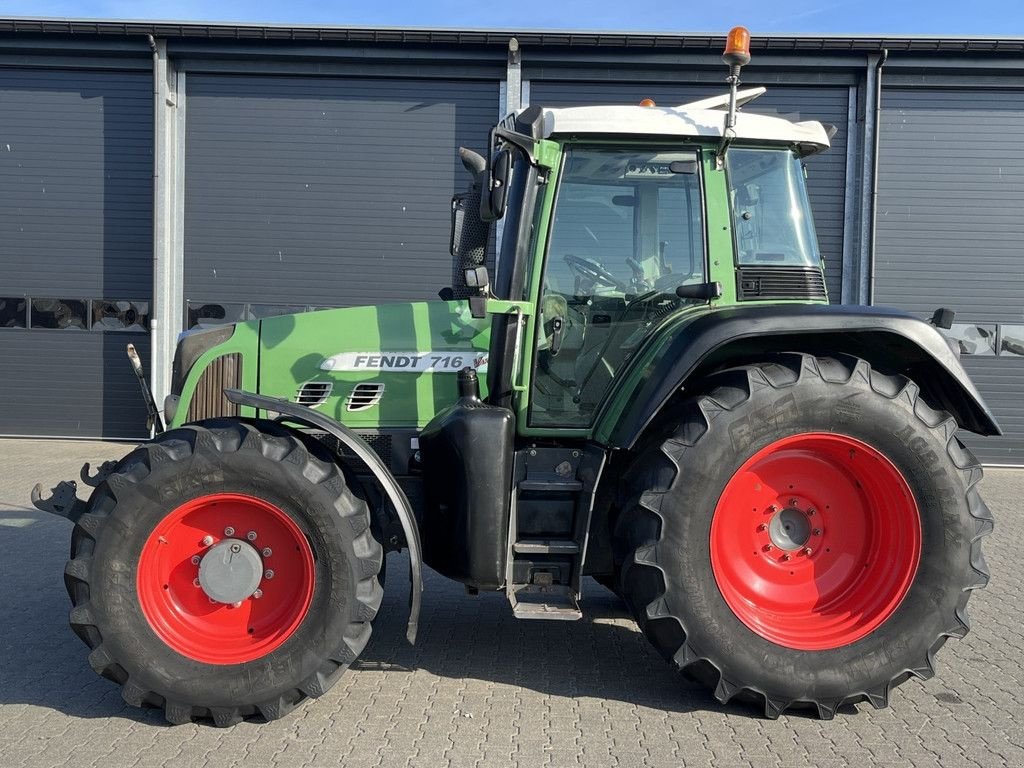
(649, 387)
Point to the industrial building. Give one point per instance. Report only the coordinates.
(158, 175)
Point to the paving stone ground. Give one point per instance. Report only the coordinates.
(482, 689)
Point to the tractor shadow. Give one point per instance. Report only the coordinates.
(603, 656)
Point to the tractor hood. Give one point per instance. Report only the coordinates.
(392, 365)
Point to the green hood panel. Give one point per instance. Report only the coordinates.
(414, 350)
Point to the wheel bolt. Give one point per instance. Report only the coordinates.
(810, 513)
(269, 574)
(214, 602)
(257, 594)
(207, 541)
(251, 535)
(229, 531)
(236, 605)
(195, 583)
(792, 502)
(762, 527)
(785, 558)
(773, 508)
(195, 559)
(808, 551)
(767, 547)
(817, 531)
(267, 552)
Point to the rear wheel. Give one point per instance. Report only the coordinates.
(807, 534)
(224, 571)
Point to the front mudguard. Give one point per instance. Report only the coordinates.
(300, 414)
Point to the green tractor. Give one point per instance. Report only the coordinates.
(649, 387)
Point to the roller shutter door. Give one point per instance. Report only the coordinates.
(950, 228)
(75, 249)
(827, 171)
(306, 191)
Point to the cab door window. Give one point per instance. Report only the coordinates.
(627, 230)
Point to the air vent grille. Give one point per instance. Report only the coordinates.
(208, 400)
(780, 283)
(313, 393)
(365, 395)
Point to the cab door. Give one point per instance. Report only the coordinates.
(627, 229)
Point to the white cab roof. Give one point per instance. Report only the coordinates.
(683, 121)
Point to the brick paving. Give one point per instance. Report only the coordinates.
(482, 689)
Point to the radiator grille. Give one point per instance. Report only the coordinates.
(381, 444)
(208, 400)
(780, 283)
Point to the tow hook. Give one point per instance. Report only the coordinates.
(63, 502)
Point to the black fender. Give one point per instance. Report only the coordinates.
(886, 338)
(300, 414)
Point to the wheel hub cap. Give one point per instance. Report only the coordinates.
(789, 529)
(230, 571)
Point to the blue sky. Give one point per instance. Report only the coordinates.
(948, 17)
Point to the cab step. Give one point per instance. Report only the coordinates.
(545, 603)
(546, 547)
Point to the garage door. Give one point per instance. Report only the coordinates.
(305, 192)
(75, 250)
(827, 171)
(950, 228)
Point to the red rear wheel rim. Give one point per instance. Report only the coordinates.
(815, 541)
(186, 618)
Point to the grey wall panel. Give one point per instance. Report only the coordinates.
(75, 222)
(322, 190)
(827, 171)
(70, 384)
(1001, 381)
(75, 183)
(951, 191)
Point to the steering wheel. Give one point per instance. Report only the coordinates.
(595, 272)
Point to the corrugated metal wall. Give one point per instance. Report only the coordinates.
(827, 171)
(950, 233)
(75, 224)
(325, 191)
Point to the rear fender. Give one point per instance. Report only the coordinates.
(300, 414)
(886, 338)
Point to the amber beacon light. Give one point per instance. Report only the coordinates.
(737, 47)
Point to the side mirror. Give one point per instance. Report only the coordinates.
(494, 198)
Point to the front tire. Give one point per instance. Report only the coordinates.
(807, 533)
(176, 627)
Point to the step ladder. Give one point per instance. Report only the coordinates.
(552, 500)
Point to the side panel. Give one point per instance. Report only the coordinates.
(414, 351)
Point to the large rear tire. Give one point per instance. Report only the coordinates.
(807, 532)
(176, 627)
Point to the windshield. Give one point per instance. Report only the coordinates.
(627, 230)
(771, 213)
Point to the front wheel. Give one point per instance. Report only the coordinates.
(808, 533)
(224, 570)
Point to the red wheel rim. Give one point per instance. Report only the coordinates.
(192, 623)
(815, 541)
